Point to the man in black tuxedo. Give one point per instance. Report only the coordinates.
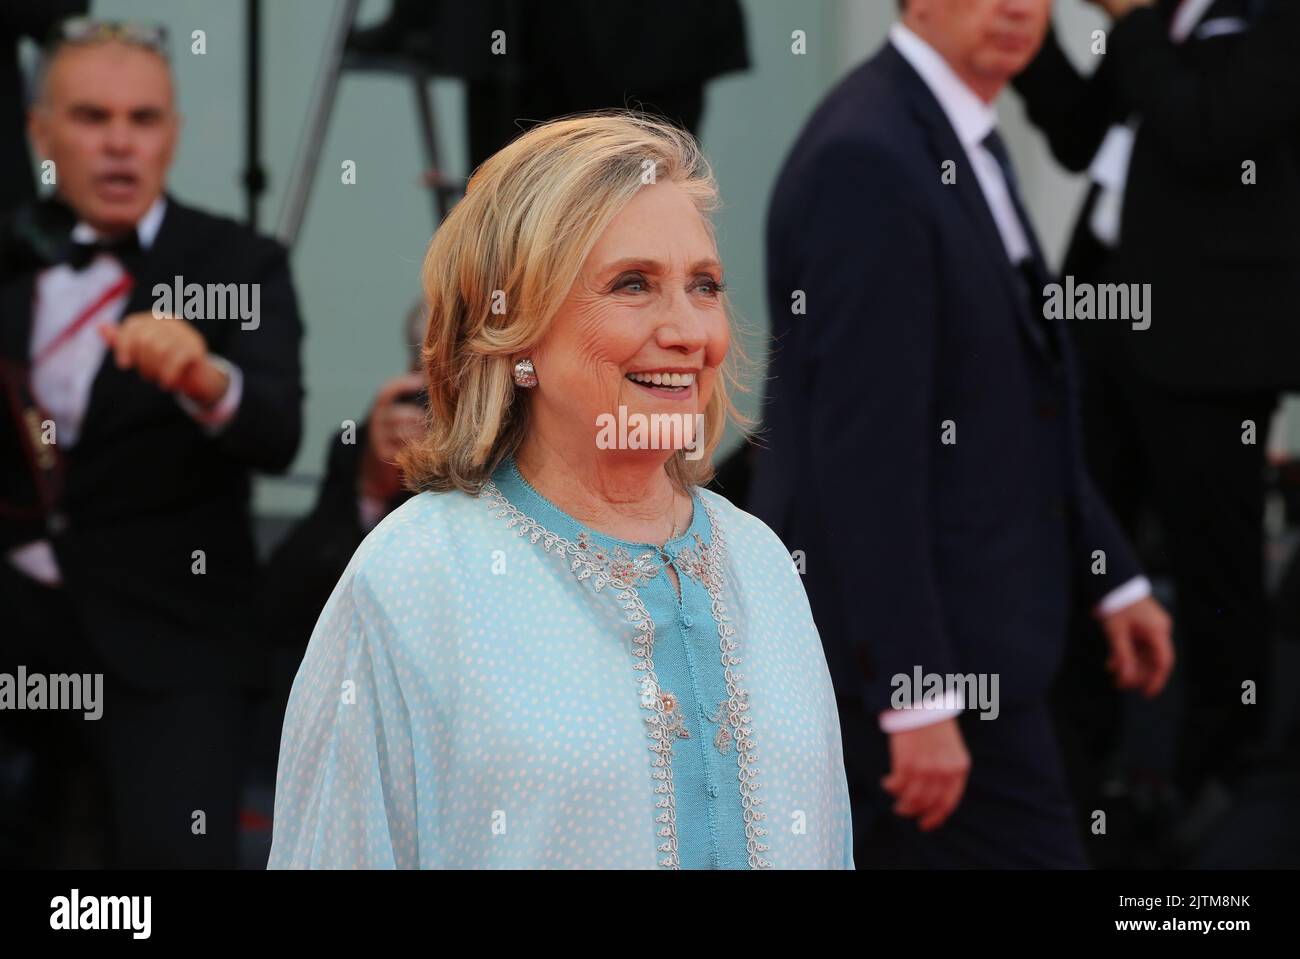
(1191, 128)
(923, 453)
(141, 566)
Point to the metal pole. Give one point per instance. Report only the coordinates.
(254, 173)
(305, 163)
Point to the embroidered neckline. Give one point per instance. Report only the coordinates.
(622, 572)
(510, 469)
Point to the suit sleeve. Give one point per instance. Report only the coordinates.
(1095, 526)
(1203, 116)
(869, 260)
(1072, 110)
(267, 427)
(1099, 530)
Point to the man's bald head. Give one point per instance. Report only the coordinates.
(105, 114)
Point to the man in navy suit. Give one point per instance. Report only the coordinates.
(923, 451)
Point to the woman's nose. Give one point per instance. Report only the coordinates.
(682, 326)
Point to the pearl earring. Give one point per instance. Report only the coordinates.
(525, 375)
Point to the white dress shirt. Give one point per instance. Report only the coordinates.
(972, 120)
(61, 383)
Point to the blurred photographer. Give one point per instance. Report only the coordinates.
(362, 485)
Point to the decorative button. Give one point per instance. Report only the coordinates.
(713, 792)
(687, 621)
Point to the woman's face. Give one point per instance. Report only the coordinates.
(646, 305)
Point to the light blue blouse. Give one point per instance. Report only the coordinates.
(491, 684)
(688, 664)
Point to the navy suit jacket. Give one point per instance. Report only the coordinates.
(955, 557)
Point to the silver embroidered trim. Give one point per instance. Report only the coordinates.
(588, 563)
(704, 563)
(722, 741)
(621, 565)
(673, 715)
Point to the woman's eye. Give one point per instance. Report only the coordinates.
(634, 283)
(710, 287)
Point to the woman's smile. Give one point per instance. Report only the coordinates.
(669, 384)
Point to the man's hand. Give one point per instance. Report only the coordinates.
(1118, 8)
(393, 423)
(169, 352)
(1141, 647)
(929, 770)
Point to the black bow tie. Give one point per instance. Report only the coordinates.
(125, 248)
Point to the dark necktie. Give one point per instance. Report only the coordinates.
(1033, 269)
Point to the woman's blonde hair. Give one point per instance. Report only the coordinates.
(530, 216)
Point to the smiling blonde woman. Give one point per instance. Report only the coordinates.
(563, 652)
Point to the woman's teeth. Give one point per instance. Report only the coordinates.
(663, 380)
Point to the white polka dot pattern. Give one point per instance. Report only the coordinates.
(466, 702)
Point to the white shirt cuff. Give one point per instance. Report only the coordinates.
(37, 560)
(1136, 589)
(224, 410)
(901, 720)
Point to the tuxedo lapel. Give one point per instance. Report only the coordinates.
(16, 317)
(162, 262)
(112, 388)
(1168, 8)
(946, 146)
